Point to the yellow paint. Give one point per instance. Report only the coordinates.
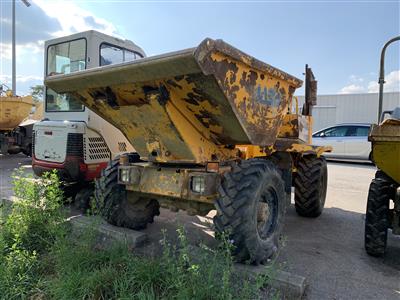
(13, 110)
(385, 139)
(386, 156)
(197, 118)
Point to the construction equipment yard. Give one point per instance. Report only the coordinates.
(327, 251)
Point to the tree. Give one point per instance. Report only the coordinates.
(37, 92)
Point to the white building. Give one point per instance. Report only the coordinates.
(349, 108)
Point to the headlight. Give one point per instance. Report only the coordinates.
(124, 175)
(198, 184)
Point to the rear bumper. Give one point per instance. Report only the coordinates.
(67, 170)
(170, 182)
(72, 169)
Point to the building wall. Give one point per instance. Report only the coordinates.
(353, 108)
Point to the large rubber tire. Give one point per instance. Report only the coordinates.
(114, 205)
(310, 183)
(28, 150)
(82, 198)
(377, 215)
(245, 194)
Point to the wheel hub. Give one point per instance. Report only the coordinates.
(267, 214)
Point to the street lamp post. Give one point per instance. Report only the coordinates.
(14, 81)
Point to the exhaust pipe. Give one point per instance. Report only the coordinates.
(382, 76)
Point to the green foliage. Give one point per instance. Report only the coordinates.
(86, 271)
(40, 258)
(36, 218)
(34, 222)
(37, 92)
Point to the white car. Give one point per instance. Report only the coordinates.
(349, 141)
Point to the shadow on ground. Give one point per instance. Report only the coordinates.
(328, 251)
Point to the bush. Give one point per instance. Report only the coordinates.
(85, 271)
(40, 259)
(28, 231)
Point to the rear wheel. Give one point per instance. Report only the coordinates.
(117, 208)
(377, 215)
(310, 184)
(251, 209)
(28, 150)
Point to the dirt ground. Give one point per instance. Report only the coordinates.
(328, 250)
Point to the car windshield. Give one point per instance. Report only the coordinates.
(64, 58)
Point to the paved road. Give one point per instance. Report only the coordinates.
(327, 250)
(8, 163)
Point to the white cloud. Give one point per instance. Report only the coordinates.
(73, 18)
(6, 79)
(352, 89)
(21, 50)
(392, 83)
(356, 79)
(358, 84)
(69, 18)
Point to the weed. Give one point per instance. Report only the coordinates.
(29, 230)
(40, 258)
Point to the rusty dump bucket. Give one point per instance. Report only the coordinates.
(13, 110)
(385, 139)
(192, 105)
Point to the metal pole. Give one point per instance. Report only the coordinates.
(13, 79)
(381, 80)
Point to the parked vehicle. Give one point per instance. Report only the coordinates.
(13, 110)
(73, 139)
(212, 130)
(349, 141)
(383, 204)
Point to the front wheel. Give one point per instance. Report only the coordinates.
(251, 210)
(119, 209)
(82, 198)
(377, 215)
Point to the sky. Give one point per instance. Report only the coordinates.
(340, 40)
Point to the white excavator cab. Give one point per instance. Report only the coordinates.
(71, 138)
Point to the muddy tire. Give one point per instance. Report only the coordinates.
(82, 198)
(251, 210)
(28, 150)
(377, 215)
(310, 183)
(112, 199)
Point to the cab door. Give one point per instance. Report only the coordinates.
(356, 143)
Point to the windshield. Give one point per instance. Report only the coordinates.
(64, 58)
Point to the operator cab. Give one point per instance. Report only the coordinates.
(84, 50)
(73, 139)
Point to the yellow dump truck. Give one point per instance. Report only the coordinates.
(385, 187)
(13, 110)
(214, 128)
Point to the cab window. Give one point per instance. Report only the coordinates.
(64, 58)
(111, 54)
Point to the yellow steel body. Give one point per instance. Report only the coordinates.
(209, 103)
(13, 110)
(385, 139)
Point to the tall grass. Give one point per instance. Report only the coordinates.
(28, 232)
(40, 258)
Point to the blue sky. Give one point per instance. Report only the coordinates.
(340, 40)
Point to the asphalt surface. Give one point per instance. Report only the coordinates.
(327, 250)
